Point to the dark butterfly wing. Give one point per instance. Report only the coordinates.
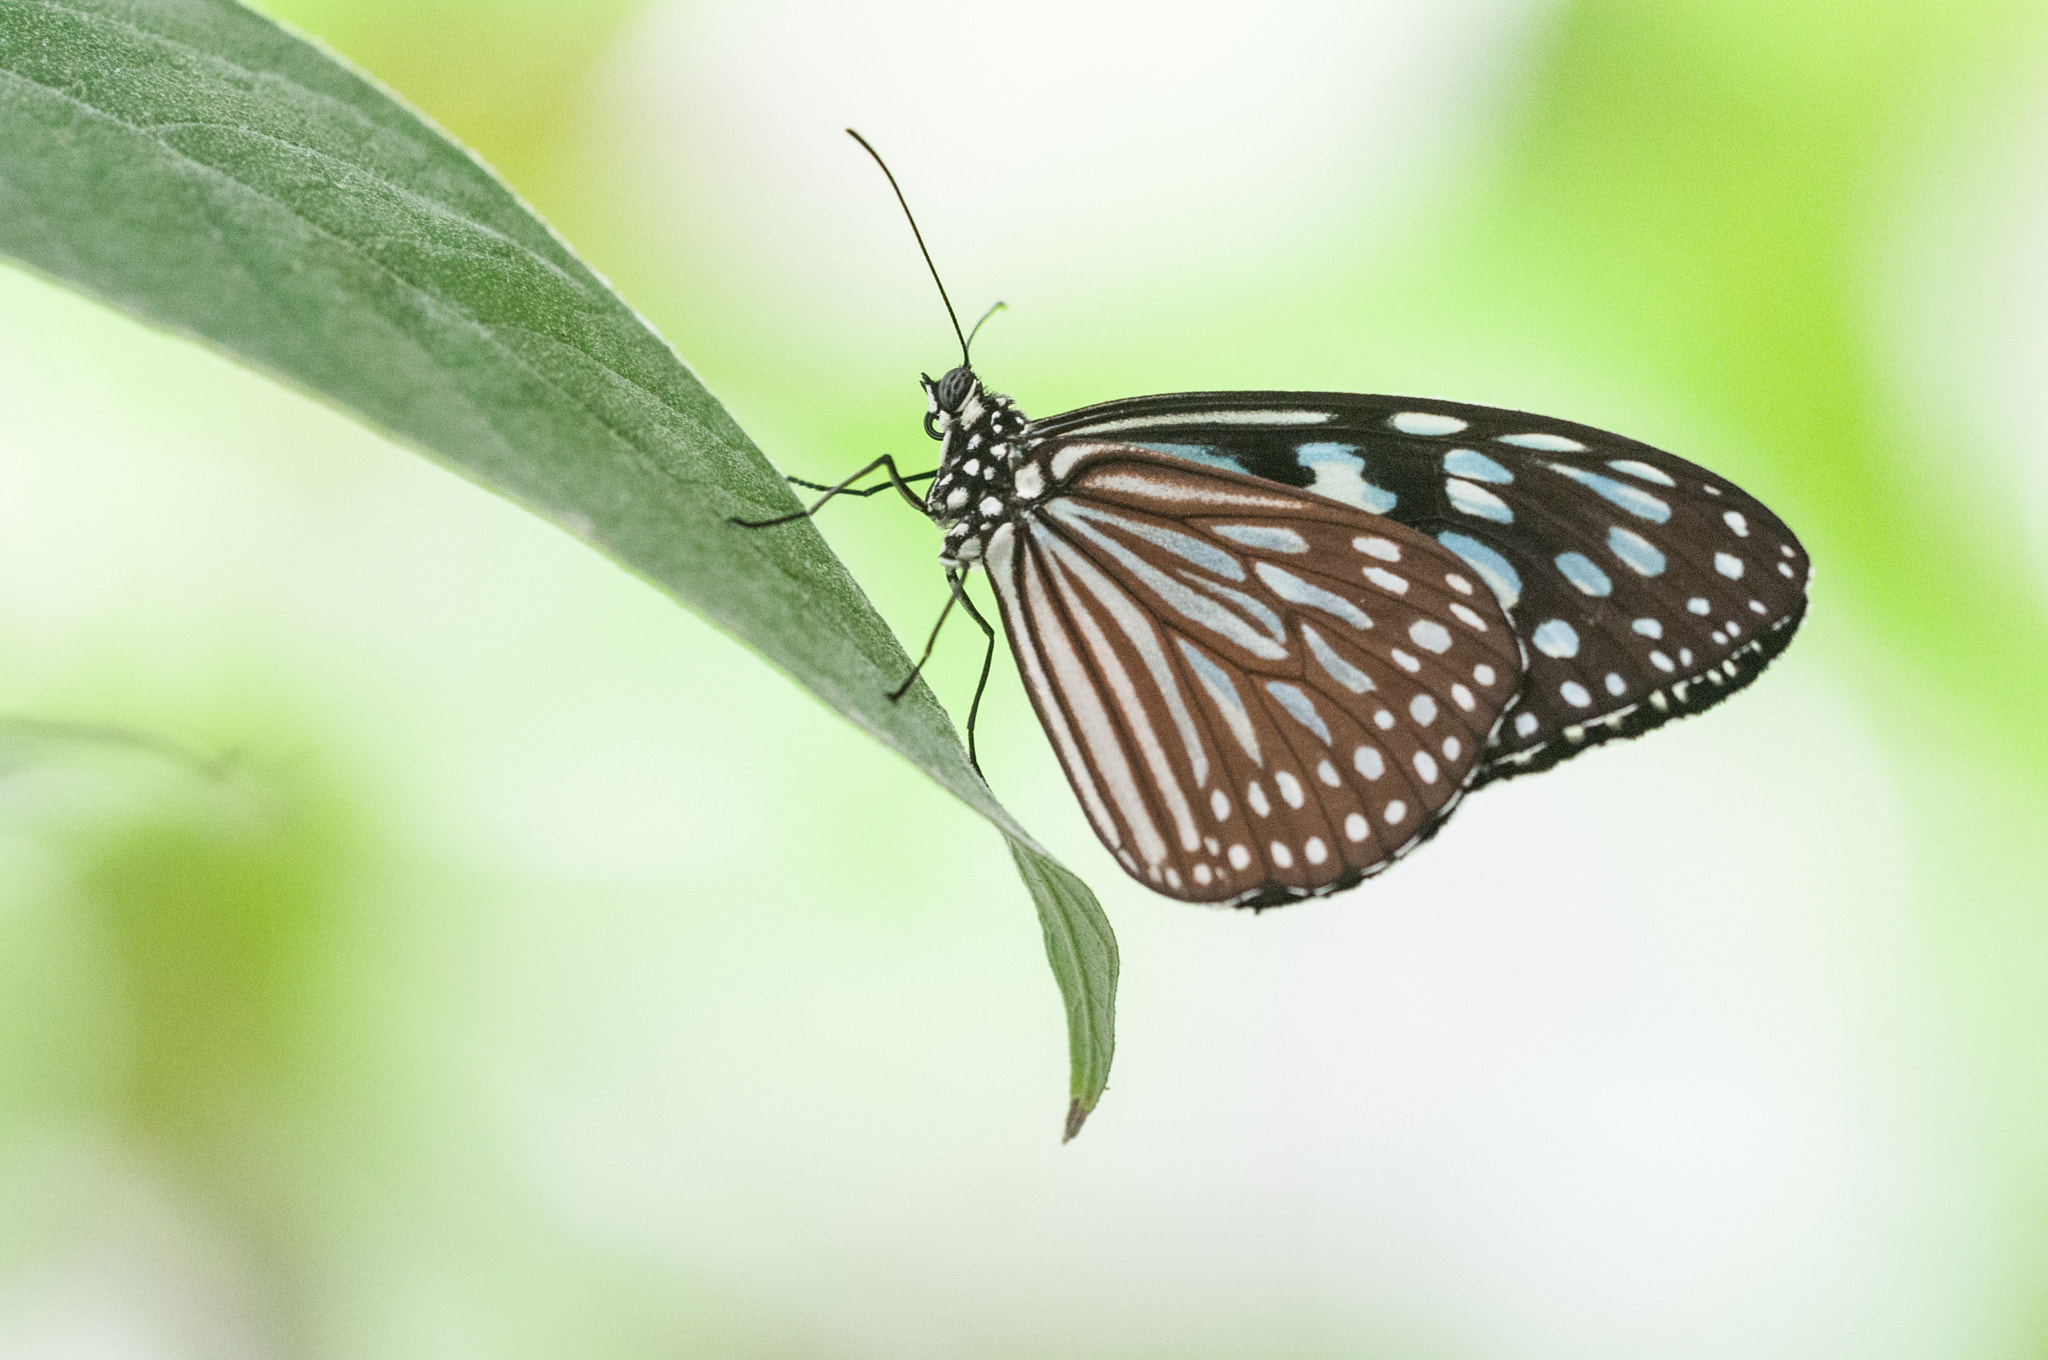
(1257, 694)
(1645, 587)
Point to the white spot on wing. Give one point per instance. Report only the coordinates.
(1271, 538)
(1386, 550)
(1338, 669)
(1638, 552)
(1425, 423)
(1430, 635)
(1546, 443)
(1386, 580)
(1477, 501)
(1224, 695)
(1500, 577)
(1299, 707)
(1555, 637)
(1643, 470)
(1293, 589)
(1627, 495)
(1580, 570)
(1477, 466)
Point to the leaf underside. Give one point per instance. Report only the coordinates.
(200, 167)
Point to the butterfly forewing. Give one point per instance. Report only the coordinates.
(1257, 694)
(1645, 586)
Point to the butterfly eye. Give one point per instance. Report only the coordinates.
(955, 387)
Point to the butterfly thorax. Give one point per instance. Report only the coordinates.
(981, 459)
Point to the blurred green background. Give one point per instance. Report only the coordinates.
(547, 977)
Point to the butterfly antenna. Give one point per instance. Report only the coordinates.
(999, 307)
(951, 315)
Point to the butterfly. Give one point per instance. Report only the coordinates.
(1275, 637)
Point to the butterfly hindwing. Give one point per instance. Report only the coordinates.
(1258, 694)
(1644, 586)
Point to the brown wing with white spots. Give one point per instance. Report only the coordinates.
(1258, 694)
(1647, 587)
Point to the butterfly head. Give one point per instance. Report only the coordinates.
(952, 400)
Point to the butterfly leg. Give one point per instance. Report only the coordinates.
(897, 693)
(865, 490)
(958, 581)
(896, 479)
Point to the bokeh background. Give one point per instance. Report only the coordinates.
(515, 966)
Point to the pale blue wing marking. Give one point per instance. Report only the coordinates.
(1500, 576)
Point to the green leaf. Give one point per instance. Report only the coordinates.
(1082, 951)
(198, 166)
